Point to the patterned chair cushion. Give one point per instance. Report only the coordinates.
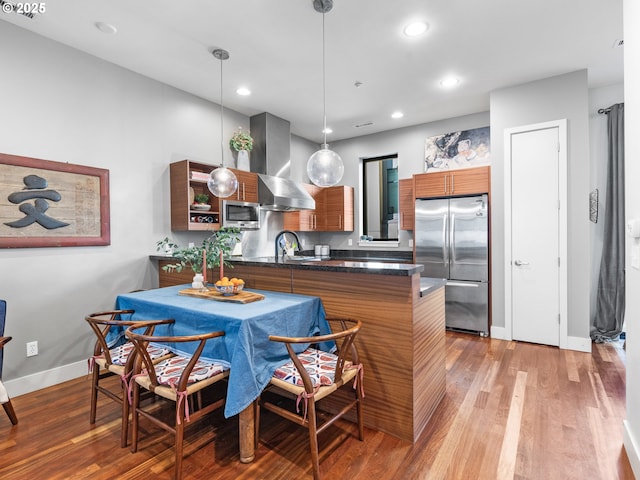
(120, 354)
(168, 371)
(321, 367)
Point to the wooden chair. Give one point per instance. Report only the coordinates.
(315, 374)
(107, 361)
(175, 379)
(8, 406)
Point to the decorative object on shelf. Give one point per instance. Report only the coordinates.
(242, 143)
(201, 202)
(222, 181)
(214, 252)
(201, 198)
(325, 167)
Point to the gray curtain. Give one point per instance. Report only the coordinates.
(608, 321)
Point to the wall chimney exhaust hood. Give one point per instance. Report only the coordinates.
(270, 158)
(283, 194)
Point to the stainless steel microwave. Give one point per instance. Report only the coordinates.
(242, 215)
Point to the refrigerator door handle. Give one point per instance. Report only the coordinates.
(520, 263)
(463, 284)
(452, 237)
(445, 250)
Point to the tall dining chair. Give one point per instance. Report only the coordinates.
(106, 361)
(179, 379)
(4, 398)
(315, 374)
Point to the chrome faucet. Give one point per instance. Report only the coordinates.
(281, 236)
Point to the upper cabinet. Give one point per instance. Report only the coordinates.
(189, 179)
(333, 212)
(247, 186)
(338, 203)
(305, 220)
(465, 181)
(406, 203)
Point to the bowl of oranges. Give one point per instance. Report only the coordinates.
(227, 286)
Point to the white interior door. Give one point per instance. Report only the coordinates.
(536, 251)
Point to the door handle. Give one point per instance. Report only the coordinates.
(520, 263)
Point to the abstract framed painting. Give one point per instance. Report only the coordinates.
(463, 149)
(52, 204)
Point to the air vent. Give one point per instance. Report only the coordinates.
(365, 124)
(29, 10)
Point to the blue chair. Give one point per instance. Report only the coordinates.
(8, 407)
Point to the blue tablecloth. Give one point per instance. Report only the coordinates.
(245, 346)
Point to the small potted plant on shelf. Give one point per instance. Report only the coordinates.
(201, 202)
(213, 252)
(242, 143)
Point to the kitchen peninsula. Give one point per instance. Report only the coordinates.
(402, 342)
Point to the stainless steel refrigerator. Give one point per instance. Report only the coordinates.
(452, 242)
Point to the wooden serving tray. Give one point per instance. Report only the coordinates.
(241, 297)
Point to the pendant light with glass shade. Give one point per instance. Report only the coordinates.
(325, 167)
(222, 181)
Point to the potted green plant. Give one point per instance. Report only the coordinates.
(213, 252)
(242, 143)
(201, 198)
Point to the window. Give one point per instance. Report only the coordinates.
(380, 197)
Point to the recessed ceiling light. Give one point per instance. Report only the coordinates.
(106, 28)
(327, 130)
(244, 91)
(397, 115)
(415, 28)
(449, 82)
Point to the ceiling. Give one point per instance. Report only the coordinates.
(276, 51)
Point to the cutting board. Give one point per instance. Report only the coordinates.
(241, 297)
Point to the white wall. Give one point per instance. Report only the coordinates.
(564, 96)
(63, 105)
(632, 210)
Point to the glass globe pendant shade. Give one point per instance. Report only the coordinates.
(222, 182)
(325, 167)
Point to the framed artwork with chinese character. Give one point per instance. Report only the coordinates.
(52, 204)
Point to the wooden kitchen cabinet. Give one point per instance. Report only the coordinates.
(333, 212)
(305, 220)
(338, 204)
(247, 186)
(407, 202)
(188, 179)
(467, 181)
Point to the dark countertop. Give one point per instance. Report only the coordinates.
(427, 285)
(335, 265)
(372, 263)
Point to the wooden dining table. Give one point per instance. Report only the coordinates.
(245, 347)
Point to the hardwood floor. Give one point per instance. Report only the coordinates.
(512, 411)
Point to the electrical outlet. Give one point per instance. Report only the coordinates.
(32, 348)
(350, 242)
